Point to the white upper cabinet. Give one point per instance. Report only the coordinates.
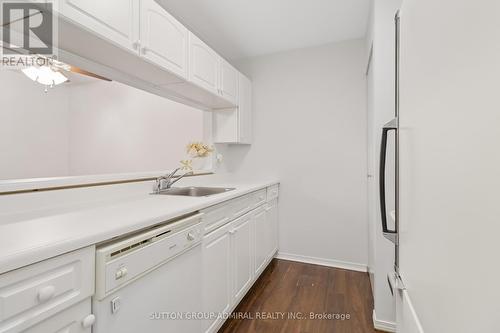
(228, 82)
(164, 40)
(210, 71)
(203, 65)
(235, 126)
(115, 20)
(245, 110)
(140, 39)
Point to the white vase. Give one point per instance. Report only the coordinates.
(199, 163)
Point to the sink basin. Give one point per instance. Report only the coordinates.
(195, 191)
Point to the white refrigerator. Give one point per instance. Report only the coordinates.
(447, 232)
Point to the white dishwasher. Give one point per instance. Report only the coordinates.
(150, 282)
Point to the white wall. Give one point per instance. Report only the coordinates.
(94, 127)
(116, 128)
(33, 128)
(310, 132)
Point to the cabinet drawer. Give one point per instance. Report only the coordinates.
(242, 205)
(72, 320)
(272, 192)
(258, 198)
(33, 293)
(216, 216)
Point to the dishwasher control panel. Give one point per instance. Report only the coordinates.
(126, 260)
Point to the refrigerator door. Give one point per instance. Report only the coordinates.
(392, 126)
(449, 136)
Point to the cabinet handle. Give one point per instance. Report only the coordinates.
(232, 232)
(135, 45)
(46, 293)
(88, 321)
(144, 50)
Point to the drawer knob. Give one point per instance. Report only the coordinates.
(46, 293)
(88, 321)
(190, 236)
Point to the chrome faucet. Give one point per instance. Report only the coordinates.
(169, 179)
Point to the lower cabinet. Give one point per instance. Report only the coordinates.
(76, 319)
(243, 255)
(49, 296)
(216, 281)
(234, 256)
(261, 240)
(272, 227)
(266, 235)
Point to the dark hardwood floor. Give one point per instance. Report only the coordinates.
(287, 292)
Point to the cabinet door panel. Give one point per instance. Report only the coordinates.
(163, 38)
(216, 275)
(203, 65)
(261, 240)
(243, 257)
(235, 126)
(229, 78)
(115, 20)
(245, 110)
(272, 225)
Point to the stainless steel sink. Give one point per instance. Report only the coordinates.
(195, 191)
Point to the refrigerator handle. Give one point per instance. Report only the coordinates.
(390, 126)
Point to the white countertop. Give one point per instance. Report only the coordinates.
(28, 241)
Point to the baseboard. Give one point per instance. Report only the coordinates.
(323, 262)
(381, 325)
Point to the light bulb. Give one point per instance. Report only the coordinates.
(45, 75)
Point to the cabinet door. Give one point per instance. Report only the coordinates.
(235, 126)
(272, 225)
(229, 82)
(164, 40)
(261, 240)
(243, 255)
(76, 319)
(115, 20)
(245, 109)
(203, 65)
(216, 282)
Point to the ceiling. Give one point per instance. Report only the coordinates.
(247, 28)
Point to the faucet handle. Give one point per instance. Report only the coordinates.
(157, 187)
(170, 175)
